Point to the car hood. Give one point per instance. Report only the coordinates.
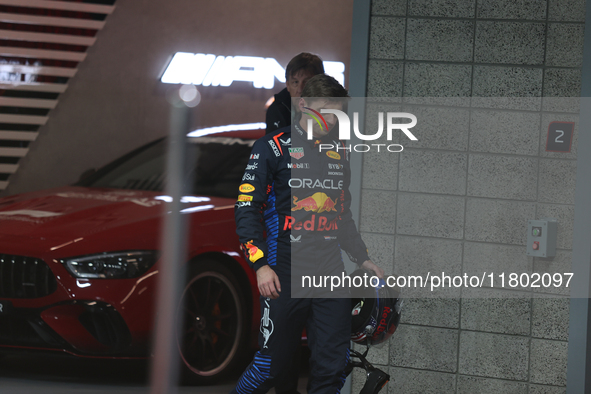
(64, 212)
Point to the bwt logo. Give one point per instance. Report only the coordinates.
(345, 129)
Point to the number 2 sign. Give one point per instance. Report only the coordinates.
(560, 136)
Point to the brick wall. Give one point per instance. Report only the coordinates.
(458, 200)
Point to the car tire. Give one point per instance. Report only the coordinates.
(213, 338)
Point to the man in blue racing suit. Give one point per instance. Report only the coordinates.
(293, 218)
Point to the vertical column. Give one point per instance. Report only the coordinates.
(579, 345)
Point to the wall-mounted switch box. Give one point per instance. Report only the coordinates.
(541, 237)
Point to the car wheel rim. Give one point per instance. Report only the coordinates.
(212, 324)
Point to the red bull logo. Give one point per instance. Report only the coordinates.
(315, 223)
(317, 202)
(384, 323)
(253, 252)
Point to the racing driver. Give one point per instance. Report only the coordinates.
(293, 218)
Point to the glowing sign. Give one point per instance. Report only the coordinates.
(230, 127)
(212, 70)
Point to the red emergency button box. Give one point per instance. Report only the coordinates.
(541, 237)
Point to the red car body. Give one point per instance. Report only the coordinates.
(44, 306)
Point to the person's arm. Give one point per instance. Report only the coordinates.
(248, 213)
(349, 238)
(371, 266)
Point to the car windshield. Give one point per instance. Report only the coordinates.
(216, 167)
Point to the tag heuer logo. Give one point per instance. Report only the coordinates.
(296, 153)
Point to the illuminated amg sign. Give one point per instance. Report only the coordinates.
(212, 70)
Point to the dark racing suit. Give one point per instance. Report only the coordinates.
(293, 214)
(279, 112)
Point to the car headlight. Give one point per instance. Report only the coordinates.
(115, 265)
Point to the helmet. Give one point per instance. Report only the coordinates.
(375, 311)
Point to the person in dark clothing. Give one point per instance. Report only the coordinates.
(298, 71)
(297, 212)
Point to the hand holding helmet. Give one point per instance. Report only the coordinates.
(370, 266)
(375, 312)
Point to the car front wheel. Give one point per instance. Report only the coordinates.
(213, 336)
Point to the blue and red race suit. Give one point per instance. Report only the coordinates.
(293, 214)
(294, 195)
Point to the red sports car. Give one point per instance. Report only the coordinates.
(79, 264)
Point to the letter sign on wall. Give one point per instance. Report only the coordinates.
(211, 70)
(560, 136)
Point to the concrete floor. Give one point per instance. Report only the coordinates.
(57, 374)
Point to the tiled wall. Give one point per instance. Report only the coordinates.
(459, 198)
